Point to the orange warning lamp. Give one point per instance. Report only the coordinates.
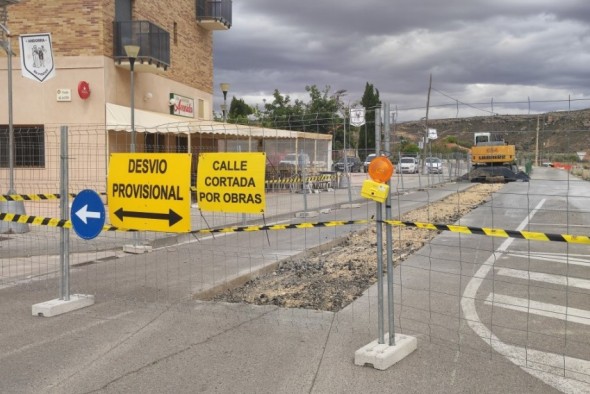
(380, 169)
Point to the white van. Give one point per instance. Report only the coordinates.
(408, 165)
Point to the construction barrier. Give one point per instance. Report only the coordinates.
(489, 232)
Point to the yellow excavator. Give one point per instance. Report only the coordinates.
(493, 161)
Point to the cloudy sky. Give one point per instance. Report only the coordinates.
(480, 52)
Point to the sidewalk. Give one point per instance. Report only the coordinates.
(279, 204)
(37, 252)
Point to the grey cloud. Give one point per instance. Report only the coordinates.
(396, 45)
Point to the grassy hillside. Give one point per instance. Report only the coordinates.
(559, 132)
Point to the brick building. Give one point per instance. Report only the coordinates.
(88, 41)
(172, 84)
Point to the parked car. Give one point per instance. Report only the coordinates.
(368, 161)
(433, 165)
(353, 164)
(294, 162)
(408, 165)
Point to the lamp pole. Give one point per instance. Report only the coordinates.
(10, 206)
(224, 88)
(8, 48)
(132, 51)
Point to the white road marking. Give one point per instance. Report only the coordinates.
(546, 278)
(519, 355)
(526, 253)
(572, 315)
(574, 368)
(553, 257)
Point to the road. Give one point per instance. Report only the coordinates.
(540, 292)
(525, 301)
(463, 296)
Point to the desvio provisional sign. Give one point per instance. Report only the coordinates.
(150, 191)
(231, 182)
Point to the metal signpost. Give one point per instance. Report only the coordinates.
(66, 302)
(382, 354)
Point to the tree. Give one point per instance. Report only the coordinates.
(239, 110)
(280, 113)
(321, 111)
(319, 115)
(370, 101)
(409, 147)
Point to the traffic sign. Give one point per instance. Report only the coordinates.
(87, 214)
(231, 182)
(357, 116)
(432, 134)
(150, 191)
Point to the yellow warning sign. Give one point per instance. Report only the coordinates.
(231, 182)
(150, 191)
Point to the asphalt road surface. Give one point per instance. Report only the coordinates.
(491, 314)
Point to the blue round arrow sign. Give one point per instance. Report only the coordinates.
(87, 214)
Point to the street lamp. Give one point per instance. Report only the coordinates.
(224, 88)
(132, 51)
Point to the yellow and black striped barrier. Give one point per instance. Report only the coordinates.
(495, 232)
(486, 231)
(43, 221)
(57, 196)
(29, 197)
(273, 227)
(299, 179)
(292, 180)
(36, 197)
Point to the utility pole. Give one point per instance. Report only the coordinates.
(424, 152)
(537, 144)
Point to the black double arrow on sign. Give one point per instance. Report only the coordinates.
(171, 216)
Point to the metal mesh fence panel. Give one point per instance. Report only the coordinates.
(505, 275)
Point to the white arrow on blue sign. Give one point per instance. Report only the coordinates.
(87, 214)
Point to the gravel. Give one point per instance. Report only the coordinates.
(332, 279)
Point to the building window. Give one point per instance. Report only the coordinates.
(154, 142)
(175, 33)
(123, 10)
(201, 109)
(29, 146)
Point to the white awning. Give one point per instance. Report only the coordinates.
(118, 118)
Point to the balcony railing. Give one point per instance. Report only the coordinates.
(153, 41)
(214, 14)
